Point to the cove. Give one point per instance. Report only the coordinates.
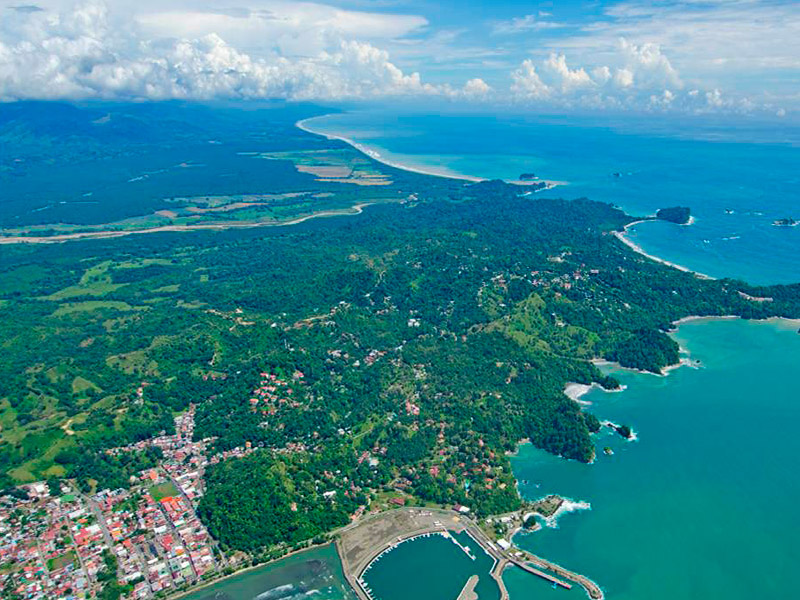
(736, 180)
(703, 505)
(315, 573)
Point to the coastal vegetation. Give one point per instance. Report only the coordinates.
(400, 354)
(675, 214)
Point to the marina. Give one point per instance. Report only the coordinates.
(378, 558)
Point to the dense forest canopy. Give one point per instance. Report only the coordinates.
(411, 347)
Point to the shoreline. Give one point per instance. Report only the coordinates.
(575, 391)
(434, 521)
(621, 236)
(375, 155)
(244, 570)
(795, 322)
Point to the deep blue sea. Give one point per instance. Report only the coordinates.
(704, 504)
(736, 180)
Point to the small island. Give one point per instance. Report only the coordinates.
(675, 214)
(624, 430)
(528, 176)
(787, 222)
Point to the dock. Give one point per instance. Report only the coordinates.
(539, 573)
(592, 589)
(364, 541)
(535, 565)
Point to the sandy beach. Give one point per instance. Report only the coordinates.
(575, 391)
(374, 154)
(702, 318)
(683, 362)
(620, 235)
(303, 125)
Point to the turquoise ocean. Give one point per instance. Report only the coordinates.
(736, 181)
(705, 503)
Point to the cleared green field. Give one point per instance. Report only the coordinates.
(163, 490)
(97, 288)
(90, 305)
(62, 561)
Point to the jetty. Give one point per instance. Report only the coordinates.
(543, 574)
(367, 540)
(591, 588)
(468, 592)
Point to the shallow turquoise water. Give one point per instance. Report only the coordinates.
(431, 568)
(703, 505)
(315, 573)
(723, 171)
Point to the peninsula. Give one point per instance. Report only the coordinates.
(221, 397)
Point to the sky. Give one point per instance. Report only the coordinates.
(685, 56)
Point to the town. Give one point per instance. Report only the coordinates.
(56, 542)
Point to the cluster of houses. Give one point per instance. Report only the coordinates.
(54, 542)
(41, 558)
(51, 545)
(274, 391)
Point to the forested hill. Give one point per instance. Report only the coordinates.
(407, 348)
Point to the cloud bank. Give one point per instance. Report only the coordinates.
(285, 49)
(84, 53)
(642, 78)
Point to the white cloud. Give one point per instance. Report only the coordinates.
(527, 84)
(565, 78)
(641, 54)
(623, 78)
(80, 53)
(651, 67)
(293, 28)
(640, 77)
(747, 47)
(664, 100)
(524, 24)
(476, 88)
(601, 75)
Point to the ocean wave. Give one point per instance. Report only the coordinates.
(276, 592)
(287, 592)
(567, 506)
(611, 425)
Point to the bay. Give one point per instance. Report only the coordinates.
(737, 180)
(703, 504)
